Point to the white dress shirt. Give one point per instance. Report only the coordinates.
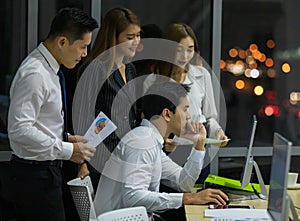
(201, 97)
(132, 175)
(35, 117)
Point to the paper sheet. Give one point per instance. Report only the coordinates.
(260, 214)
(184, 141)
(101, 127)
(215, 141)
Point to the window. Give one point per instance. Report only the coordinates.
(259, 69)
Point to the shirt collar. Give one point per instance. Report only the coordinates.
(187, 80)
(193, 74)
(156, 133)
(49, 57)
(197, 71)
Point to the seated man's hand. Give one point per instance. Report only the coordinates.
(221, 136)
(169, 145)
(213, 196)
(197, 133)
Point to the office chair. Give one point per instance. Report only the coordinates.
(138, 213)
(83, 193)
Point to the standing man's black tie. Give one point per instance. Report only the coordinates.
(64, 102)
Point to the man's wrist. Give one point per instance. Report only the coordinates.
(187, 199)
(200, 145)
(201, 148)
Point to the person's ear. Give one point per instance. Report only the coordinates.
(62, 40)
(166, 114)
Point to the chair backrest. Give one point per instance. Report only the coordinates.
(83, 182)
(83, 199)
(127, 214)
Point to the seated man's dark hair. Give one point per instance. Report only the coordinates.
(163, 95)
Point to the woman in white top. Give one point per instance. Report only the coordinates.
(187, 69)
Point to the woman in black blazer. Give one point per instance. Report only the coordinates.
(110, 73)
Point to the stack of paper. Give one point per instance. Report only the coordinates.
(238, 214)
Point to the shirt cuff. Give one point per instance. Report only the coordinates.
(176, 200)
(197, 155)
(67, 150)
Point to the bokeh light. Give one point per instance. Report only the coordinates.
(270, 43)
(294, 97)
(254, 73)
(233, 53)
(242, 54)
(258, 90)
(272, 110)
(222, 64)
(269, 111)
(262, 57)
(286, 68)
(269, 62)
(239, 84)
(250, 59)
(253, 65)
(248, 73)
(271, 73)
(253, 47)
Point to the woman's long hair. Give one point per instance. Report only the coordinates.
(176, 32)
(114, 22)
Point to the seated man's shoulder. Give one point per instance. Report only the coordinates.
(140, 138)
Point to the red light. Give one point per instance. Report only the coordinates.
(272, 110)
(299, 114)
(269, 110)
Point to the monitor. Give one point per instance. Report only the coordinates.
(278, 179)
(250, 162)
(248, 167)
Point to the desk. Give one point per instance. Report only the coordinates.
(196, 213)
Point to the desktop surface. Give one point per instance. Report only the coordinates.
(196, 212)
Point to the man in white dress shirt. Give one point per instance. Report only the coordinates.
(33, 180)
(132, 175)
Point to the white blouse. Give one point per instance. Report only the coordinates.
(201, 97)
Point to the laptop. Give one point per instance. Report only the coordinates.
(278, 203)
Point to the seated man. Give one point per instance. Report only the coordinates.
(132, 175)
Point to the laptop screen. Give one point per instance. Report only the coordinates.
(278, 178)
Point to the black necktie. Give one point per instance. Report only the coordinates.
(64, 102)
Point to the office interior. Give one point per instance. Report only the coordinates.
(252, 48)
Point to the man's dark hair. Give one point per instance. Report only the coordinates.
(72, 23)
(163, 95)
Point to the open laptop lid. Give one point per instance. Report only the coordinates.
(278, 178)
